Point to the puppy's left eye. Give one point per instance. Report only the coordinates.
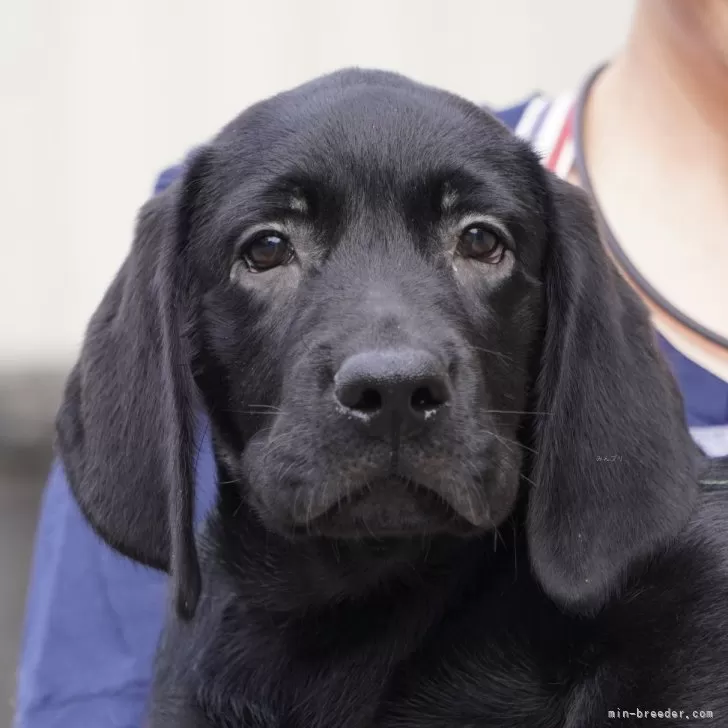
(482, 243)
(267, 250)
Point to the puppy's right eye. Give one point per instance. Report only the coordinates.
(481, 243)
(267, 250)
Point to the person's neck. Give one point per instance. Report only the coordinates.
(669, 84)
(655, 144)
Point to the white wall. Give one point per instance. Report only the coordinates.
(96, 96)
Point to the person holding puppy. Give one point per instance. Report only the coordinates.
(646, 136)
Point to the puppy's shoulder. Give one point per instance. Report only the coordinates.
(705, 539)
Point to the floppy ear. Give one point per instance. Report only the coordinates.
(126, 427)
(615, 473)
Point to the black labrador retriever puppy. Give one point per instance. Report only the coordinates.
(455, 483)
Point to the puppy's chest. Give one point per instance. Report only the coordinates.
(469, 690)
(452, 678)
(472, 677)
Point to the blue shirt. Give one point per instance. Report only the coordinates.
(93, 617)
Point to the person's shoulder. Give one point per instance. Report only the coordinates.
(166, 177)
(522, 114)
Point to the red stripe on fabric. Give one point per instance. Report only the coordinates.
(564, 135)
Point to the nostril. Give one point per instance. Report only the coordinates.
(359, 396)
(369, 401)
(425, 398)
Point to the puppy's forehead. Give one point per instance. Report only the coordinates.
(393, 130)
(381, 127)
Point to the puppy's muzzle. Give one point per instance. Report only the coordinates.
(393, 391)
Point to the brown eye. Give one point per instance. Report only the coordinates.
(267, 250)
(482, 243)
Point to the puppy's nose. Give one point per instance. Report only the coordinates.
(392, 389)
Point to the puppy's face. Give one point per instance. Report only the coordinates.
(370, 281)
(370, 258)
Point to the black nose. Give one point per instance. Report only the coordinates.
(391, 390)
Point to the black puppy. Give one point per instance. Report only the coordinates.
(455, 484)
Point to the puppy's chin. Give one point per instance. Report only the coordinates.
(297, 496)
(390, 508)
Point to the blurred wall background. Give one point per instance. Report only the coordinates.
(98, 96)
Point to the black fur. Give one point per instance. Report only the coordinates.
(534, 550)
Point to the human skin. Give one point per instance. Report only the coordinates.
(656, 147)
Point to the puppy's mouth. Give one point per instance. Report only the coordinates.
(389, 507)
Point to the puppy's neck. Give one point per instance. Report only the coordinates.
(278, 574)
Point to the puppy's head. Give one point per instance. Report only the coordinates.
(374, 310)
(393, 319)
